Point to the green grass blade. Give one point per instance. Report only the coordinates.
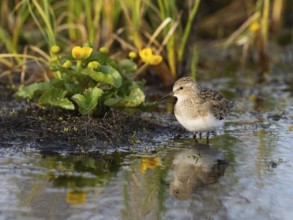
(187, 30)
(47, 31)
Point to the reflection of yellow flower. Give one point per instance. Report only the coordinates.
(148, 57)
(149, 163)
(55, 49)
(75, 197)
(81, 53)
(254, 26)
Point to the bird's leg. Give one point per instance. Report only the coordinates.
(208, 135)
(194, 137)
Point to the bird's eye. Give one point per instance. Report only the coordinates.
(181, 88)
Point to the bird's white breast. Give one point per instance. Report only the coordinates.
(205, 123)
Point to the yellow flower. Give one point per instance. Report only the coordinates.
(55, 49)
(67, 64)
(75, 197)
(149, 163)
(254, 26)
(147, 56)
(156, 59)
(77, 52)
(81, 53)
(93, 65)
(132, 55)
(104, 50)
(87, 51)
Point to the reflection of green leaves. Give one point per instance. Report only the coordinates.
(135, 98)
(107, 75)
(56, 97)
(80, 165)
(29, 92)
(89, 163)
(88, 102)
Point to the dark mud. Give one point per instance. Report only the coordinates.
(52, 129)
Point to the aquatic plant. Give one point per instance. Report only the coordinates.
(87, 80)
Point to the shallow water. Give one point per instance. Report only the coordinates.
(245, 172)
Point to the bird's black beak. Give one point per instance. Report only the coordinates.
(170, 94)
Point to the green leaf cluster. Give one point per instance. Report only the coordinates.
(91, 88)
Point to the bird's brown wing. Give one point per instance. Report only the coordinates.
(218, 104)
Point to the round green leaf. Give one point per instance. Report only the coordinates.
(107, 75)
(88, 101)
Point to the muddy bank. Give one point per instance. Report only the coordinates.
(54, 129)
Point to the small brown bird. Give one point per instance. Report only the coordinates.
(199, 109)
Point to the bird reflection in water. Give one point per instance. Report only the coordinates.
(196, 167)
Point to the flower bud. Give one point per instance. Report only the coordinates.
(67, 64)
(132, 55)
(57, 74)
(104, 50)
(254, 27)
(55, 49)
(93, 65)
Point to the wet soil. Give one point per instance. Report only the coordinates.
(52, 129)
